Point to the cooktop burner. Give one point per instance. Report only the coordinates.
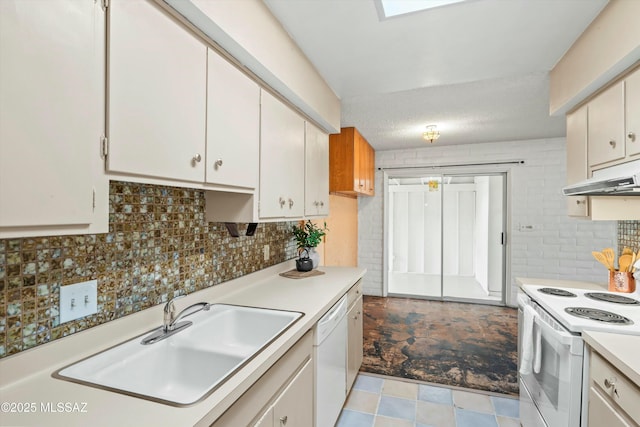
(557, 292)
(599, 315)
(614, 298)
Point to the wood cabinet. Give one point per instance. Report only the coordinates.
(282, 160)
(354, 333)
(351, 163)
(157, 94)
(283, 396)
(52, 118)
(632, 113)
(316, 180)
(577, 170)
(613, 398)
(233, 125)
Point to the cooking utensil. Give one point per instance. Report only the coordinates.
(627, 251)
(599, 256)
(610, 255)
(634, 257)
(624, 262)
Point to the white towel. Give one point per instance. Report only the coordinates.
(527, 340)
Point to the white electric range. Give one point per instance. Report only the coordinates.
(553, 360)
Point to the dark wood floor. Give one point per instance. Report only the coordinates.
(465, 345)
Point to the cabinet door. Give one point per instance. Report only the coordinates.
(371, 170)
(266, 420)
(233, 125)
(294, 407)
(157, 94)
(602, 413)
(577, 159)
(354, 338)
(281, 160)
(51, 110)
(632, 114)
(360, 154)
(316, 194)
(606, 139)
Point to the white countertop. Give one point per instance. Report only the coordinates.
(25, 378)
(620, 350)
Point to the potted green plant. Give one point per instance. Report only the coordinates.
(308, 236)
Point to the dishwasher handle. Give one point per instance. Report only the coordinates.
(330, 320)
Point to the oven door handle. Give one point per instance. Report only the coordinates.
(562, 337)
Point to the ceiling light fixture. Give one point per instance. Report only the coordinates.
(431, 134)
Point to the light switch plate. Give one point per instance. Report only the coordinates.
(78, 300)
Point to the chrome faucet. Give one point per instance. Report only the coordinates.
(171, 323)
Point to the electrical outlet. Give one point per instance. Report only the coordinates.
(78, 300)
(266, 253)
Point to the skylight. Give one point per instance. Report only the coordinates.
(392, 8)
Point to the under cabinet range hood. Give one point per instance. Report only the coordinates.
(619, 180)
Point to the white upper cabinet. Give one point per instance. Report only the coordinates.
(233, 125)
(51, 115)
(606, 126)
(316, 172)
(577, 159)
(281, 160)
(157, 94)
(632, 105)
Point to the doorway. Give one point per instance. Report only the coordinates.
(446, 236)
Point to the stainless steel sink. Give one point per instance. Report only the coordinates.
(188, 366)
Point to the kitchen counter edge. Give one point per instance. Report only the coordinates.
(33, 389)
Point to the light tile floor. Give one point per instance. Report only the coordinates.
(378, 401)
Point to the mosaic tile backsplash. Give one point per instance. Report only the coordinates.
(628, 235)
(158, 246)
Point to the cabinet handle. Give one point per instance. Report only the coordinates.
(579, 202)
(290, 203)
(197, 158)
(321, 204)
(612, 143)
(631, 136)
(283, 420)
(608, 383)
(217, 164)
(316, 204)
(282, 202)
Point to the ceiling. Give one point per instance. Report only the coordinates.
(478, 69)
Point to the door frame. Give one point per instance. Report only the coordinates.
(508, 298)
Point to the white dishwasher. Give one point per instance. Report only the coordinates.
(330, 347)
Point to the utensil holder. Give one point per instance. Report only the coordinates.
(621, 281)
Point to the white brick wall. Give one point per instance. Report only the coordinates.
(558, 248)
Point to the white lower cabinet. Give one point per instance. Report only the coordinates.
(52, 118)
(613, 398)
(282, 397)
(354, 333)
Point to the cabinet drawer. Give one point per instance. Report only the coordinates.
(354, 293)
(601, 413)
(616, 386)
